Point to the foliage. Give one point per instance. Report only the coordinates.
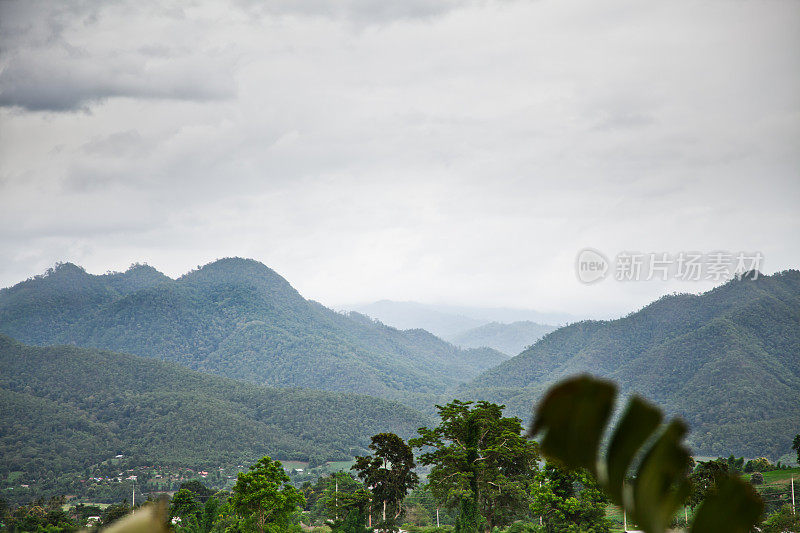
(573, 417)
(796, 446)
(724, 361)
(334, 495)
(38, 516)
(704, 479)
(114, 512)
(757, 478)
(422, 508)
(569, 501)
(265, 498)
(185, 505)
(782, 521)
(481, 464)
(201, 492)
(388, 472)
(760, 464)
(88, 406)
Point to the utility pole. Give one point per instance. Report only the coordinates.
(793, 511)
(624, 520)
(437, 517)
(686, 516)
(336, 499)
(540, 516)
(133, 497)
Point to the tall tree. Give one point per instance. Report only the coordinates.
(482, 465)
(265, 497)
(388, 472)
(704, 479)
(568, 499)
(796, 446)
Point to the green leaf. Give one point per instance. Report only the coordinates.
(639, 422)
(573, 416)
(734, 508)
(661, 481)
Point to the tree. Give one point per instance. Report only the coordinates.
(388, 472)
(782, 521)
(202, 492)
(757, 478)
(482, 466)
(568, 500)
(761, 464)
(334, 495)
(186, 506)
(114, 512)
(704, 479)
(264, 496)
(796, 446)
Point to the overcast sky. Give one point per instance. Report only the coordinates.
(449, 152)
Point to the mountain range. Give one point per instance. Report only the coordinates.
(64, 408)
(727, 361)
(237, 318)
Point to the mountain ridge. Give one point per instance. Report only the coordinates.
(728, 357)
(238, 318)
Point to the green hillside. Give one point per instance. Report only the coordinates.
(240, 319)
(728, 361)
(65, 408)
(509, 339)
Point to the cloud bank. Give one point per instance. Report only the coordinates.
(457, 152)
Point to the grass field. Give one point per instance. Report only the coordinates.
(782, 476)
(291, 465)
(336, 466)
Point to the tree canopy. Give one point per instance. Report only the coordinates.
(265, 496)
(388, 472)
(481, 464)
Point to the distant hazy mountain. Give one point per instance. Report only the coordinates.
(728, 361)
(64, 408)
(240, 319)
(510, 339)
(447, 321)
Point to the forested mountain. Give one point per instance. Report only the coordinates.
(728, 361)
(510, 339)
(64, 408)
(240, 319)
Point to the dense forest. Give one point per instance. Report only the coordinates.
(727, 361)
(65, 408)
(240, 319)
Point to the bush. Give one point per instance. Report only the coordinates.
(757, 478)
(782, 521)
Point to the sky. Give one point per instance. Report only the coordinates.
(445, 152)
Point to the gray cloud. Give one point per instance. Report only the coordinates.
(443, 152)
(57, 58)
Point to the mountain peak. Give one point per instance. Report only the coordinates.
(66, 269)
(238, 270)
